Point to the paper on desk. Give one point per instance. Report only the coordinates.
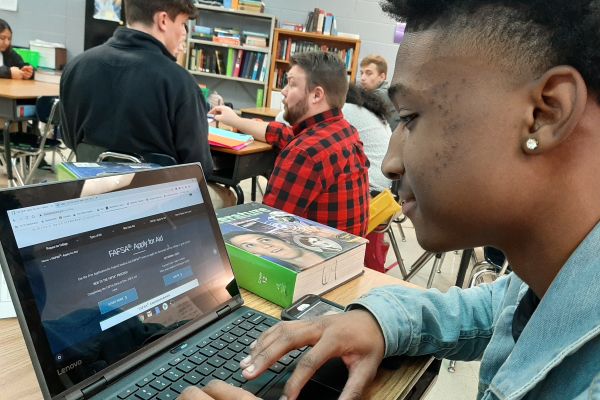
(6, 306)
(43, 43)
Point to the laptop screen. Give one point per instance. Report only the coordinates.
(106, 266)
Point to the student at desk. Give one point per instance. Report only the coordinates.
(12, 65)
(321, 171)
(498, 145)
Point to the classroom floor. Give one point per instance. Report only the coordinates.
(460, 385)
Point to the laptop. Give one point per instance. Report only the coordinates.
(124, 290)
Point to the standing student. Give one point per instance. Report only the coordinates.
(321, 171)
(498, 145)
(12, 65)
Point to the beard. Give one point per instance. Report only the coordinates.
(294, 113)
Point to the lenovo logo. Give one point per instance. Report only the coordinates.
(69, 367)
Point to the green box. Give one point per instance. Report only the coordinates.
(31, 57)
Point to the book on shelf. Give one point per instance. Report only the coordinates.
(292, 26)
(238, 63)
(251, 5)
(77, 170)
(328, 24)
(230, 61)
(281, 257)
(231, 140)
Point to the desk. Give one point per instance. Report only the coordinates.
(233, 166)
(264, 113)
(18, 381)
(15, 92)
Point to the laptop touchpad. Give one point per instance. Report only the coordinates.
(327, 383)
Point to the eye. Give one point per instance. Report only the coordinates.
(405, 120)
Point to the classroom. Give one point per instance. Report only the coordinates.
(409, 185)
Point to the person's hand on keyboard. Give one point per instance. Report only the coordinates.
(354, 336)
(216, 390)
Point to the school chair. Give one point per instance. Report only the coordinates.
(29, 149)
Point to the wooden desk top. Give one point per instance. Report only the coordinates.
(261, 111)
(26, 89)
(254, 147)
(18, 381)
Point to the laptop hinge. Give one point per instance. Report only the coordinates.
(223, 311)
(94, 388)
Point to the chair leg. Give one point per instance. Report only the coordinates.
(437, 264)
(397, 253)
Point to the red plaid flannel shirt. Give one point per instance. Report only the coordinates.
(321, 172)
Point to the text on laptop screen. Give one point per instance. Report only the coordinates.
(111, 272)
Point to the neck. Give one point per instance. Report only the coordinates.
(540, 241)
(150, 30)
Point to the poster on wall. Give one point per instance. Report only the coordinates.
(107, 10)
(9, 5)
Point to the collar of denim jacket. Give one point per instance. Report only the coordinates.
(567, 317)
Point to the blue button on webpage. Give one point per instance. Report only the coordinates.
(177, 276)
(117, 301)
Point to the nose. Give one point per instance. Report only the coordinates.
(284, 91)
(393, 162)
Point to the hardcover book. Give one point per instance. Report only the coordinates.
(281, 257)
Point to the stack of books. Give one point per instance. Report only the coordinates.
(256, 39)
(47, 75)
(231, 140)
(227, 36)
(281, 257)
(256, 6)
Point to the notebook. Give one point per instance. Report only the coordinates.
(123, 289)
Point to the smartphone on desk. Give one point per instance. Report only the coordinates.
(310, 306)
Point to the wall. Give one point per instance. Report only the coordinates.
(376, 29)
(60, 21)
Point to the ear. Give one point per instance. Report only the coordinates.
(160, 20)
(559, 98)
(317, 95)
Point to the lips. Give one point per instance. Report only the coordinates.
(408, 203)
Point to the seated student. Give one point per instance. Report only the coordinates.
(12, 65)
(367, 113)
(321, 171)
(499, 144)
(373, 75)
(129, 94)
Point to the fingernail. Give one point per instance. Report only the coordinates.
(246, 360)
(283, 398)
(253, 344)
(249, 369)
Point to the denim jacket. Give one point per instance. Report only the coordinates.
(556, 356)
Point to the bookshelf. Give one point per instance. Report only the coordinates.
(287, 42)
(229, 51)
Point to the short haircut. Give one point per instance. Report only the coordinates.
(523, 36)
(379, 62)
(142, 11)
(326, 70)
(367, 99)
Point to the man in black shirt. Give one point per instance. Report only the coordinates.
(129, 94)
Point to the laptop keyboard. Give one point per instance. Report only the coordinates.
(216, 357)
